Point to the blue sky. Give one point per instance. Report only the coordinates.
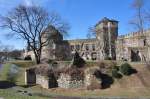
(80, 14)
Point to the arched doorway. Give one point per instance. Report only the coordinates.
(135, 57)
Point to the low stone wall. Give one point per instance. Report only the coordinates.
(91, 82)
(43, 81)
(65, 81)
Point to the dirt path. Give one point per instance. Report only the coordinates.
(65, 97)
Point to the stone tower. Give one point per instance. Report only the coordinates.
(106, 35)
(54, 37)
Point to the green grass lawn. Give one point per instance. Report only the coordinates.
(6, 69)
(12, 94)
(4, 72)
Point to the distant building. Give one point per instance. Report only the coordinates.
(106, 45)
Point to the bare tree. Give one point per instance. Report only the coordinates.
(6, 51)
(30, 23)
(0, 46)
(91, 32)
(139, 19)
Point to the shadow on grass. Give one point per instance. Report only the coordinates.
(132, 71)
(6, 84)
(27, 86)
(106, 81)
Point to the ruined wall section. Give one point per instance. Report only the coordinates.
(133, 42)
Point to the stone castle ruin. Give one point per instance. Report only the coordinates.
(106, 45)
(69, 76)
(133, 46)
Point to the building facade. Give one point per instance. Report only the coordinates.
(106, 45)
(134, 46)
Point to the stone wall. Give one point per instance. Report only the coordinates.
(92, 78)
(66, 81)
(43, 81)
(133, 42)
(91, 82)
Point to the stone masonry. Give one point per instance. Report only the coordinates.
(106, 45)
(65, 81)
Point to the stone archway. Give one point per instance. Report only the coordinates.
(135, 56)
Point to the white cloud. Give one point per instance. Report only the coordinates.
(28, 2)
(7, 4)
(36, 2)
(12, 3)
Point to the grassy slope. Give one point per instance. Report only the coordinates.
(136, 85)
(11, 94)
(132, 86)
(4, 71)
(22, 66)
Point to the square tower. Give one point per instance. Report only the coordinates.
(106, 35)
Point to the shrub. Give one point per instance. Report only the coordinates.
(126, 69)
(107, 80)
(78, 61)
(116, 74)
(116, 68)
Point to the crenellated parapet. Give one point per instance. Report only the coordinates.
(135, 34)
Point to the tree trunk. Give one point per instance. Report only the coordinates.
(38, 61)
(37, 57)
